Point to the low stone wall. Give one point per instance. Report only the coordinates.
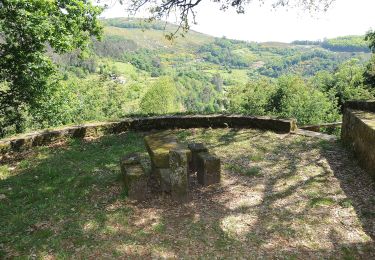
(358, 132)
(360, 105)
(145, 124)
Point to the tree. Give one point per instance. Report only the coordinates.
(369, 74)
(161, 98)
(186, 9)
(370, 37)
(27, 29)
(288, 97)
(347, 82)
(293, 98)
(252, 98)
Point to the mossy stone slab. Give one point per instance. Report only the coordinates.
(158, 146)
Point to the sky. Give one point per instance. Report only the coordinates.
(263, 23)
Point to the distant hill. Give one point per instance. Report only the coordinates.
(135, 41)
(152, 34)
(134, 69)
(353, 43)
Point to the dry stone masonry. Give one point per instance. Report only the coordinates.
(145, 124)
(358, 132)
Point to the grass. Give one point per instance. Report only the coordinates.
(281, 196)
(315, 202)
(248, 171)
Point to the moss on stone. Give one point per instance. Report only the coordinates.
(158, 145)
(5, 147)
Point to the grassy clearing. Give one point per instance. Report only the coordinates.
(282, 196)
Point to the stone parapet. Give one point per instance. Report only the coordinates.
(46, 137)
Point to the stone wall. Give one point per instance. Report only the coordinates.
(358, 132)
(144, 124)
(360, 105)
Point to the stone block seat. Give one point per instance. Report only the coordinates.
(208, 169)
(195, 149)
(205, 164)
(135, 178)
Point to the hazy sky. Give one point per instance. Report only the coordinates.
(345, 17)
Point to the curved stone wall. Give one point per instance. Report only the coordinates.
(145, 124)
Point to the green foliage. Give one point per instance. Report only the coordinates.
(369, 74)
(306, 63)
(198, 92)
(288, 97)
(161, 98)
(27, 28)
(76, 101)
(341, 44)
(134, 71)
(113, 46)
(145, 60)
(135, 24)
(346, 44)
(221, 52)
(370, 37)
(252, 98)
(293, 98)
(346, 83)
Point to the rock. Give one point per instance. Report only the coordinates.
(178, 161)
(195, 149)
(135, 178)
(158, 146)
(2, 197)
(131, 159)
(165, 179)
(208, 166)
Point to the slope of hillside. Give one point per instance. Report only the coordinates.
(152, 35)
(136, 70)
(207, 53)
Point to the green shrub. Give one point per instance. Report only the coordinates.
(161, 98)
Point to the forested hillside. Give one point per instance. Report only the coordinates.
(136, 70)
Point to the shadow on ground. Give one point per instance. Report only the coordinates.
(281, 196)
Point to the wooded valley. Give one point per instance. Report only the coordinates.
(135, 70)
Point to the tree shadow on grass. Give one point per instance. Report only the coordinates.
(337, 186)
(69, 202)
(50, 197)
(356, 183)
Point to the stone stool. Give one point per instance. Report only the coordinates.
(195, 149)
(208, 168)
(135, 178)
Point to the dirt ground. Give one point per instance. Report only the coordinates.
(281, 196)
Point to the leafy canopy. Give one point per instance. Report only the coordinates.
(27, 29)
(161, 98)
